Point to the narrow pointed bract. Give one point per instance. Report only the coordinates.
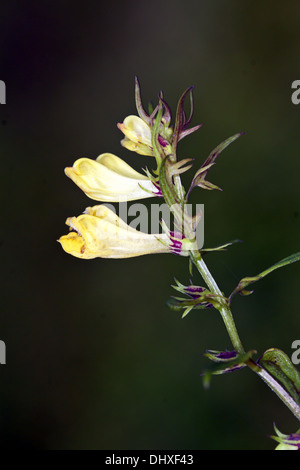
(200, 176)
(138, 102)
(181, 123)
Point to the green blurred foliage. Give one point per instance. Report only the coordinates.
(95, 359)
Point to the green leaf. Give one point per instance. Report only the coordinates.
(246, 281)
(219, 248)
(280, 366)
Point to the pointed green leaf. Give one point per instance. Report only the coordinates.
(246, 281)
(219, 248)
(187, 311)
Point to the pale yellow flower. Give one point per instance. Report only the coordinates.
(139, 148)
(137, 135)
(110, 179)
(99, 232)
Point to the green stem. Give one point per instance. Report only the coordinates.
(226, 314)
(224, 308)
(225, 311)
(276, 387)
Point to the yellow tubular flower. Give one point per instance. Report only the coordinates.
(137, 135)
(100, 233)
(141, 149)
(110, 179)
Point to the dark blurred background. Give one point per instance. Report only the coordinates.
(95, 358)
